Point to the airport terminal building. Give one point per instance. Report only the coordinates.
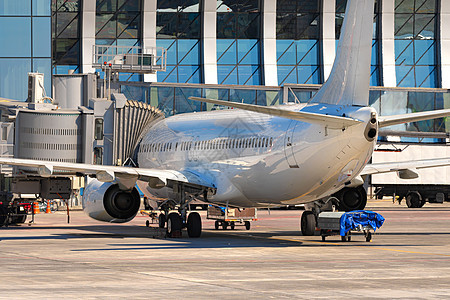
(257, 51)
(261, 52)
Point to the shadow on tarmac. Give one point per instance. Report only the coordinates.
(210, 238)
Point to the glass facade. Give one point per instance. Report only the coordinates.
(239, 42)
(387, 101)
(25, 32)
(415, 43)
(178, 29)
(118, 23)
(174, 99)
(66, 35)
(45, 36)
(298, 33)
(375, 72)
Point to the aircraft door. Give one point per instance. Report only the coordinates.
(289, 145)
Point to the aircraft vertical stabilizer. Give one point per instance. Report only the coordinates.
(349, 79)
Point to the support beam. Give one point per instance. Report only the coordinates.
(87, 35)
(388, 75)
(209, 43)
(148, 15)
(269, 43)
(444, 25)
(328, 36)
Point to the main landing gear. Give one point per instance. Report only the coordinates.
(347, 199)
(175, 222)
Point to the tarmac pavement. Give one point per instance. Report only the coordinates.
(409, 258)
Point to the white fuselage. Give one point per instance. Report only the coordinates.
(257, 160)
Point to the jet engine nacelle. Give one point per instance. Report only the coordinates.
(104, 201)
(352, 198)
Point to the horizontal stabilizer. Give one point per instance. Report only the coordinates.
(385, 121)
(331, 121)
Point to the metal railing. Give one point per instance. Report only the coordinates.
(130, 59)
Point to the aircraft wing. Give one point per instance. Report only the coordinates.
(404, 167)
(125, 176)
(332, 121)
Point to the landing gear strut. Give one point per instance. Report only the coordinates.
(175, 222)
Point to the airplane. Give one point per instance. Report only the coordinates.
(314, 153)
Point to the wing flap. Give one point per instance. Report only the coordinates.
(331, 121)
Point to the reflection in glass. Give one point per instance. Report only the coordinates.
(66, 51)
(183, 104)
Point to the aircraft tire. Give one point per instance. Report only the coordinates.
(308, 223)
(162, 220)
(414, 200)
(174, 224)
(232, 225)
(194, 225)
(216, 225)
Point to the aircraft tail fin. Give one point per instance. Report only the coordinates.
(348, 83)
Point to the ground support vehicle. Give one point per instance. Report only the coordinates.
(415, 195)
(14, 212)
(231, 217)
(152, 215)
(415, 186)
(329, 224)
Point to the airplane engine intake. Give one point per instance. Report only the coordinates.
(354, 198)
(104, 201)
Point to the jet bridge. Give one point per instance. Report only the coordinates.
(75, 127)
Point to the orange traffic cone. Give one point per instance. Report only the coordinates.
(47, 210)
(36, 208)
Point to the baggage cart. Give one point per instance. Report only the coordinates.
(329, 224)
(231, 217)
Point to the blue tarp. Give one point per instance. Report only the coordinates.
(351, 220)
